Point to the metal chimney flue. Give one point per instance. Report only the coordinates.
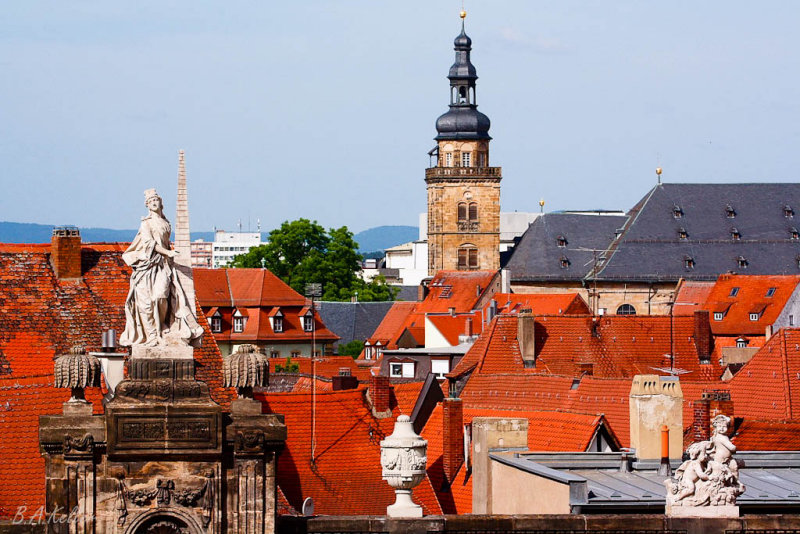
(109, 340)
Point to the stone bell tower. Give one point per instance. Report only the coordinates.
(463, 190)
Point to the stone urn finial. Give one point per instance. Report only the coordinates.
(404, 458)
(245, 369)
(77, 370)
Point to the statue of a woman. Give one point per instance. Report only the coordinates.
(156, 303)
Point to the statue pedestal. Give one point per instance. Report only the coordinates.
(702, 511)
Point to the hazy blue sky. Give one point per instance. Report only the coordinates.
(326, 110)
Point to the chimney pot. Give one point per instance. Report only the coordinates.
(702, 336)
(380, 394)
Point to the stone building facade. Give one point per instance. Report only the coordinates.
(463, 190)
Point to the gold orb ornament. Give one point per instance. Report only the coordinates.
(541, 203)
(658, 171)
(463, 14)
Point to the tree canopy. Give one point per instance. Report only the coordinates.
(301, 252)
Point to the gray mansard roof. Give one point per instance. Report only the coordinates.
(539, 255)
(352, 320)
(699, 231)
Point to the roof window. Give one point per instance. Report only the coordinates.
(682, 234)
(788, 212)
(677, 212)
(742, 262)
(730, 213)
(771, 291)
(734, 292)
(735, 235)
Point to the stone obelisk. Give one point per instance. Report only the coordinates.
(183, 261)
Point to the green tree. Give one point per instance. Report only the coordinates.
(353, 348)
(302, 252)
(289, 367)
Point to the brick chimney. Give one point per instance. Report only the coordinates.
(656, 401)
(380, 394)
(452, 437)
(468, 327)
(525, 337)
(65, 252)
(344, 380)
(711, 404)
(702, 335)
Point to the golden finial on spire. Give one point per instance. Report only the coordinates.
(463, 13)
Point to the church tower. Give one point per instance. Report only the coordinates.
(463, 190)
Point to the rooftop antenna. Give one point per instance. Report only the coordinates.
(240, 226)
(258, 225)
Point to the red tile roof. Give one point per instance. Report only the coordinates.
(451, 327)
(768, 386)
(768, 436)
(327, 367)
(749, 296)
(690, 296)
(455, 289)
(542, 303)
(345, 477)
(391, 325)
(41, 317)
(616, 347)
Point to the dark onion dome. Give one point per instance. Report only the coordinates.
(463, 122)
(463, 68)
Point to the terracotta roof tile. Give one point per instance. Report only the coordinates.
(768, 436)
(542, 303)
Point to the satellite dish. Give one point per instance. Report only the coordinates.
(308, 507)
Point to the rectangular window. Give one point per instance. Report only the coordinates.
(277, 324)
(473, 258)
(440, 367)
(465, 159)
(408, 369)
(238, 324)
(462, 258)
(275, 354)
(295, 354)
(771, 291)
(481, 159)
(791, 320)
(448, 159)
(718, 316)
(395, 370)
(754, 316)
(308, 323)
(216, 324)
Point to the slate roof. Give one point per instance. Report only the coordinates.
(651, 247)
(353, 320)
(538, 256)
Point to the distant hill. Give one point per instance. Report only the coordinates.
(383, 237)
(11, 232)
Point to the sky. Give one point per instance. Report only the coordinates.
(326, 110)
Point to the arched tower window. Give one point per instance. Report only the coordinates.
(467, 257)
(473, 212)
(462, 212)
(462, 95)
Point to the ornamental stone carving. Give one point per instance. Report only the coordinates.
(707, 484)
(77, 370)
(245, 369)
(404, 458)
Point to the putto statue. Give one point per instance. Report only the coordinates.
(710, 477)
(157, 311)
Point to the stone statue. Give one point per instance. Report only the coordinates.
(710, 477)
(157, 311)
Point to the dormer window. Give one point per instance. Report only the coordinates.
(239, 322)
(788, 212)
(561, 241)
(688, 262)
(718, 316)
(741, 343)
(742, 262)
(215, 322)
(308, 322)
(794, 234)
(735, 235)
(755, 316)
(277, 324)
(677, 212)
(682, 233)
(564, 262)
(730, 213)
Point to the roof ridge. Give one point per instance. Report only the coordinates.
(230, 291)
(785, 363)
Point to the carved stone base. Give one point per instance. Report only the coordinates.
(702, 511)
